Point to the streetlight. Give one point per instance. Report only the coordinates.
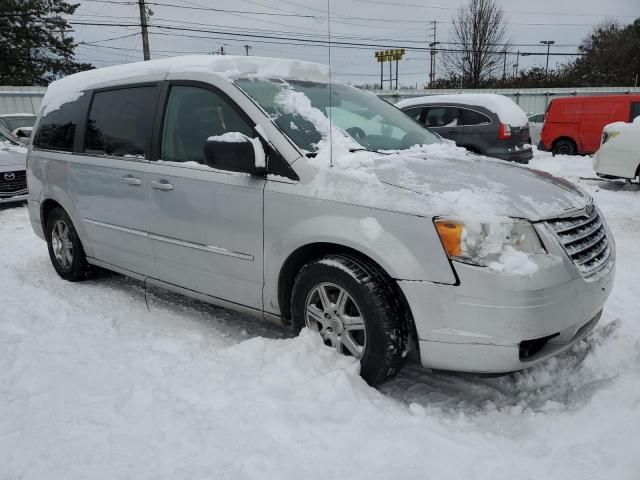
(548, 43)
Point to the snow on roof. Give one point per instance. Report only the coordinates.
(618, 126)
(506, 109)
(72, 87)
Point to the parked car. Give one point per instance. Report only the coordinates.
(23, 133)
(619, 153)
(535, 127)
(12, 121)
(484, 123)
(13, 179)
(574, 125)
(220, 178)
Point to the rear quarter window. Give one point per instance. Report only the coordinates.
(57, 129)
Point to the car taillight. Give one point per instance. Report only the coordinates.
(504, 132)
(26, 172)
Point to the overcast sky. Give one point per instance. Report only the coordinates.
(388, 23)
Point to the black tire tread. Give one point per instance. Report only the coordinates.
(384, 300)
(80, 269)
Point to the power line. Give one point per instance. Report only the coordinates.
(318, 41)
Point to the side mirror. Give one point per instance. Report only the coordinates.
(236, 152)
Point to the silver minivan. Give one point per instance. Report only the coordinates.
(259, 185)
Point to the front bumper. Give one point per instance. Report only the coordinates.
(480, 325)
(18, 197)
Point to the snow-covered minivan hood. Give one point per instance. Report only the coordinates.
(459, 182)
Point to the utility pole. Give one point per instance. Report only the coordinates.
(548, 43)
(517, 63)
(143, 28)
(432, 66)
(397, 73)
(247, 48)
(504, 65)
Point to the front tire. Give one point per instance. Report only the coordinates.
(65, 249)
(353, 308)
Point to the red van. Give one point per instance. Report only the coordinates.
(574, 125)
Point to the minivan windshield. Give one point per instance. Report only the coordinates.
(370, 121)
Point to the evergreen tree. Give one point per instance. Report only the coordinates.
(35, 45)
(610, 57)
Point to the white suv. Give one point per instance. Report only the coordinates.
(619, 153)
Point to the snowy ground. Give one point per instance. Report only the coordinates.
(94, 385)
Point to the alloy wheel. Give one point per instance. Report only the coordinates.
(62, 244)
(333, 312)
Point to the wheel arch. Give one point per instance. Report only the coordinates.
(313, 251)
(567, 138)
(46, 206)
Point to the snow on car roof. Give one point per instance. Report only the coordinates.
(508, 111)
(70, 88)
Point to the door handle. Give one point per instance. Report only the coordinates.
(131, 180)
(161, 185)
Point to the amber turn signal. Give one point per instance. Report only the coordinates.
(450, 233)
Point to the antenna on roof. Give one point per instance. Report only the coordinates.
(330, 86)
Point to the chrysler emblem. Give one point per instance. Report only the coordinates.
(9, 176)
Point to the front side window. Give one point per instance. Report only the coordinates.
(442, 117)
(120, 122)
(57, 129)
(302, 110)
(194, 114)
(414, 113)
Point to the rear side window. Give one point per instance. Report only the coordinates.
(194, 114)
(120, 122)
(57, 129)
(471, 117)
(635, 110)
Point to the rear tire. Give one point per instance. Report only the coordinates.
(65, 249)
(353, 289)
(564, 147)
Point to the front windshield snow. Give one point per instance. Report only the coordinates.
(301, 109)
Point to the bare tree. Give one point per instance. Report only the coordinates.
(480, 42)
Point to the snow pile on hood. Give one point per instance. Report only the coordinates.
(71, 87)
(507, 110)
(391, 179)
(617, 126)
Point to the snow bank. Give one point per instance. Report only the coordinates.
(95, 386)
(71, 87)
(507, 110)
(571, 167)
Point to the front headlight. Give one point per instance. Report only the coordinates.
(481, 244)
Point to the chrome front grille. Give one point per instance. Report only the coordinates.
(13, 183)
(584, 238)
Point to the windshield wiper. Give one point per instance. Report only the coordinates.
(351, 150)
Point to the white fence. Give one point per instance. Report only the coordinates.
(21, 99)
(531, 100)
